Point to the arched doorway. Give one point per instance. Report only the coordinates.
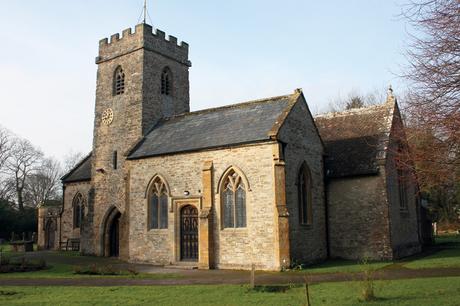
(50, 234)
(114, 237)
(189, 233)
(110, 233)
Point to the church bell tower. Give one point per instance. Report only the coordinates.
(142, 77)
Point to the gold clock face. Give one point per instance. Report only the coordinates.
(107, 116)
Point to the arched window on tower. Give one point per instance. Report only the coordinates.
(158, 205)
(119, 81)
(233, 201)
(78, 206)
(166, 82)
(305, 195)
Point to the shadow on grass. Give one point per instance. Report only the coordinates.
(9, 293)
(444, 247)
(272, 288)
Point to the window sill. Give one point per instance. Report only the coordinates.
(306, 225)
(156, 230)
(234, 229)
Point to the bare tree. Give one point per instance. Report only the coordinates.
(6, 187)
(434, 69)
(71, 159)
(5, 146)
(43, 184)
(23, 161)
(432, 106)
(5, 153)
(355, 99)
(355, 102)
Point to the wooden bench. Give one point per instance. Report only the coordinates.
(72, 244)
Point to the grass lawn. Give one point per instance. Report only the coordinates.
(6, 248)
(430, 291)
(444, 254)
(67, 271)
(343, 266)
(63, 265)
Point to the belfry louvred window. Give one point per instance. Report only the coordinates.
(166, 80)
(119, 81)
(158, 205)
(233, 201)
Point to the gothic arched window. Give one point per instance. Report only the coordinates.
(158, 205)
(119, 81)
(305, 195)
(78, 206)
(233, 201)
(166, 82)
(403, 177)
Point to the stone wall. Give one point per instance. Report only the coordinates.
(68, 231)
(142, 56)
(48, 216)
(358, 218)
(307, 242)
(404, 223)
(233, 248)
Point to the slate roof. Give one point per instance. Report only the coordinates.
(217, 127)
(81, 171)
(355, 140)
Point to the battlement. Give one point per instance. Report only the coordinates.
(142, 37)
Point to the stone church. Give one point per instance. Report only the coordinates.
(260, 182)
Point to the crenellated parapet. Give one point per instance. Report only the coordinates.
(142, 37)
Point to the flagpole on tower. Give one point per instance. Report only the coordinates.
(145, 11)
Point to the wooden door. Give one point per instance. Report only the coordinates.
(189, 233)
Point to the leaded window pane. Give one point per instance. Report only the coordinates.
(301, 198)
(78, 210)
(304, 191)
(228, 208)
(154, 211)
(305, 201)
(164, 211)
(240, 207)
(77, 216)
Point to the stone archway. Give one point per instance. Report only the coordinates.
(50, 234)
(110, 234)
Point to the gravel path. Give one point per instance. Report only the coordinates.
(214, 277)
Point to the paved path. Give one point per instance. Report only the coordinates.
(214, 277)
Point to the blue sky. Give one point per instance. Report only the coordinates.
(240, 50)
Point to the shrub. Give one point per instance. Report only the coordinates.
(77, 270)
(93, 270)
(41, 263)
(24, 263)
(4, 261)
(109, 270)
(367, 285)
(132, 270)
